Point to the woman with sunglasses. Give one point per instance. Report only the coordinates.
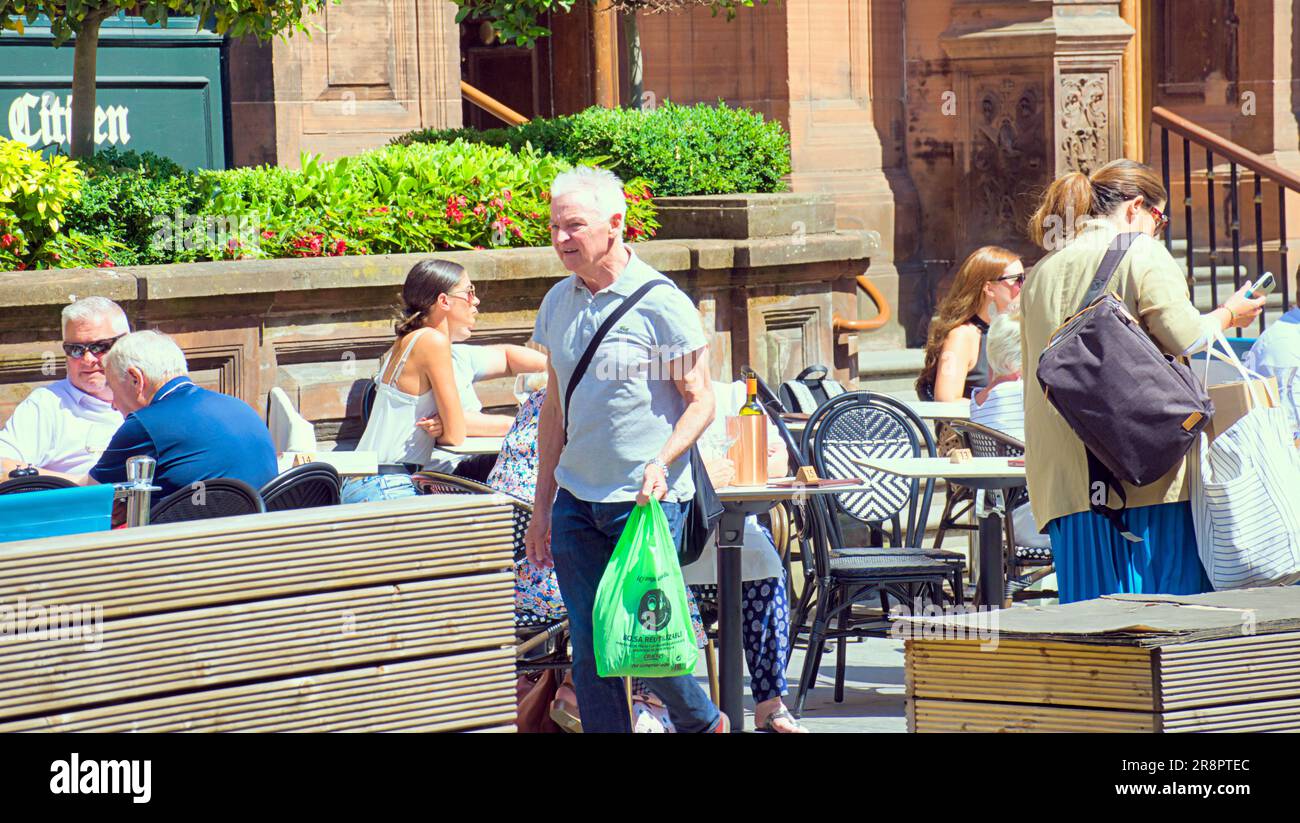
(424, 391)
(956, 364)
(1080, 218)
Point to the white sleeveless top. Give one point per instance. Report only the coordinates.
(391, 431)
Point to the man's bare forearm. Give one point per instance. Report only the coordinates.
(697, 417)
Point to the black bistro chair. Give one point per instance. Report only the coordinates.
(221, 497)
(38, 483)
(859, 425)
(1022, 566)
(540, 643)
(303, 487)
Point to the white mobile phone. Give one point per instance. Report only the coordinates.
(1265, 285)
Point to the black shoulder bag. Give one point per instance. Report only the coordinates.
(704, 510)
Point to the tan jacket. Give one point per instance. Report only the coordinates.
(1154, 290)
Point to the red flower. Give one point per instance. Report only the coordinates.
(22, 267)
(478, 248)
(106, 264)
(508, 195)
(268, 235)
(516, 231)
(54, 256)
(383, 210)
(340, 247)
(532, 215)
(480, 210)
(7, 240)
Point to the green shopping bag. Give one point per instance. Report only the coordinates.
(642, 620)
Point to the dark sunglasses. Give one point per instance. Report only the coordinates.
(1018, 279)
(1161, 219)
(78, 350)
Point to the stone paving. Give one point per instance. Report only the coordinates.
(873, 690)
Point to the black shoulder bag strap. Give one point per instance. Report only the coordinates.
(1100, 478)
(590, 352)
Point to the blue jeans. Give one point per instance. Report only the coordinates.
(378, 487)
(583, 536)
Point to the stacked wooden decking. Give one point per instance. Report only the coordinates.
(394, 616)
(1228, 661)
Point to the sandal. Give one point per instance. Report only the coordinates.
(564, 709)
(782, 713)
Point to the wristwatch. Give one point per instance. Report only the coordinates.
(661, 464)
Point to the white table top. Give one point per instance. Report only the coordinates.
(940, 410)
(769, 492)
(477, 445)
(925, 409)
(347, 464)
(991, 468)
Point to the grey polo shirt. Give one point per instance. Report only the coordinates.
(625, 408)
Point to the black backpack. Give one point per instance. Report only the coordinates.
(809, 390)
(1137, 410)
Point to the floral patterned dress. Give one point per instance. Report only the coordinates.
(536, 591)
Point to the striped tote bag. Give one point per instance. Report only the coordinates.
(1245, 493)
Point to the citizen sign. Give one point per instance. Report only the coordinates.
(46, 120)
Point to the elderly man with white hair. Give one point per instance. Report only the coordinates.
(66, 425)
(630, 423)
(194, 434)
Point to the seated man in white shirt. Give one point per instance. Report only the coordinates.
(1277, 354)
(65, 426)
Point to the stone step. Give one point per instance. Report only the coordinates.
(891, 372)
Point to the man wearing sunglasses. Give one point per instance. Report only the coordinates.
(64, 426)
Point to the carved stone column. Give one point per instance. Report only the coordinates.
(1038, 92)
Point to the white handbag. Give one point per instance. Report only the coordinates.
(1245, 494)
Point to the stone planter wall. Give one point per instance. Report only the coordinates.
(317, 327)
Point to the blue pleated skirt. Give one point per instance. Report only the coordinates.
(1093, 559)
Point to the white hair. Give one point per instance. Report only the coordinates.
(1002, 347)
(603, 187)
(88, 309)
(155, 354)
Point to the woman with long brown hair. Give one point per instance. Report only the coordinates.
(955, 361)
(1091, 556)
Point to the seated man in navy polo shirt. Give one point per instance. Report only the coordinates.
(194, 434)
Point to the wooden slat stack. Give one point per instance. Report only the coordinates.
(376, 617)
(1228, 661)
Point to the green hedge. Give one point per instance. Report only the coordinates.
(126, 209)
(679, 150)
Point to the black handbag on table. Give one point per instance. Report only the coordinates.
(705, 509)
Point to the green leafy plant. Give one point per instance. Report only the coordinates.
(679, 150)
(33, 195)
(125, 196)
(83, 18)
(399, 199)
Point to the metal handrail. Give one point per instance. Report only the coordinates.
(1237, 156)
(883, 310)
(491, 105)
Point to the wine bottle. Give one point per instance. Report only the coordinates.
(751, 401)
